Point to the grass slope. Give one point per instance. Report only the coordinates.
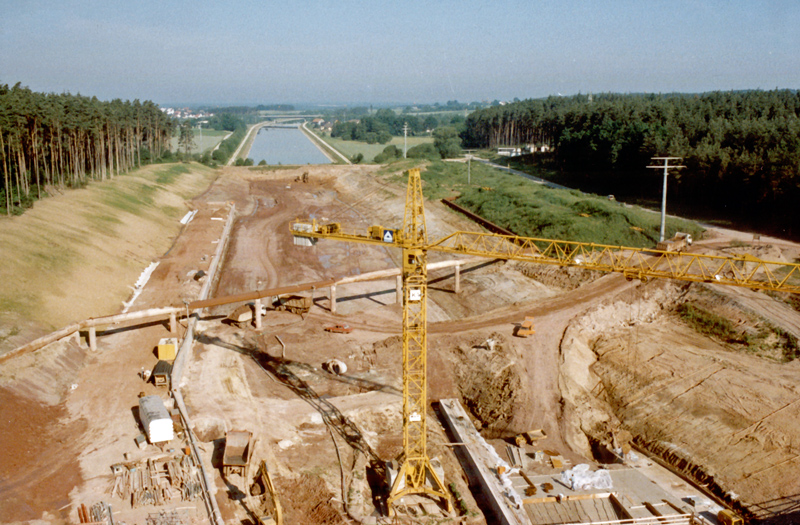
(533, 210)
(75, 255)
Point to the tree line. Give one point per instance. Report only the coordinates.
(741, 149)
(65, 140)
(379, 127)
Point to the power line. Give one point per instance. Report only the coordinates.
(666, 167)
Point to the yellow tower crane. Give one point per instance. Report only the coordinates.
(416, 475)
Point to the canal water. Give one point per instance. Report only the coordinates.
(285, 146)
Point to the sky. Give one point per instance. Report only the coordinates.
(373, 52)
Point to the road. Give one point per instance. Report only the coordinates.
(327, 149)
(250, 130)
(537, 180)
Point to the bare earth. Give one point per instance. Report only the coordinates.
(610, 359)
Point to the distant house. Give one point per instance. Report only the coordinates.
(533, 148)
(509, 151)
(318, 122)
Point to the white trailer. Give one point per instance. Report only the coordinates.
(155, 419)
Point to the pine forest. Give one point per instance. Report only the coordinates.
(741, 150)
(64, 141)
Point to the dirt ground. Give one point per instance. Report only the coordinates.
(610, 359)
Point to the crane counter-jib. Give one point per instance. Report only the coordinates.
(635, 263)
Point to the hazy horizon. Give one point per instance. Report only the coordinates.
(362, 53)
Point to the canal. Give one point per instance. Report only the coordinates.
(285, 146)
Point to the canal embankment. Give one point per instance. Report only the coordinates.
(329, 151)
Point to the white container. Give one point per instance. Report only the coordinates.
(155, 419)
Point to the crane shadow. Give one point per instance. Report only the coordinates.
(778, 511)
(259, 357)
(282, 370)
(335, 420)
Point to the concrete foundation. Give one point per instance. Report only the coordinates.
(476, 465)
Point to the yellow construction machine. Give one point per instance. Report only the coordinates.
(416, 475)
(263, 498)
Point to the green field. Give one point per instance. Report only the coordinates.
(209, 140)
(533, 210)
(349, 148)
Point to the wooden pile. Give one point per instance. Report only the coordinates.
(100, 513)
(157, 481)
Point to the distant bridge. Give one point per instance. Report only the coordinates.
(279, 125)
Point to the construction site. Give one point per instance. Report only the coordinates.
(321, 345)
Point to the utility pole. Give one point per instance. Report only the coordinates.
(469, 169)
(405, 139)
(666, 167)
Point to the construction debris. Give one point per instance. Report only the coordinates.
(164, 518)
(100, 512)
(515, 456)
(157, 481)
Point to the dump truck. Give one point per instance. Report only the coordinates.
(237, 452)
(297, 304)
(678, 243)
(243, 316)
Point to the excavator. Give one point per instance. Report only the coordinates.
(263, 498)
(416, 474)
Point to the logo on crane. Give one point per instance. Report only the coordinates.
(388, 236)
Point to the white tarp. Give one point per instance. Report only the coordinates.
(581, 478)
(155, 419)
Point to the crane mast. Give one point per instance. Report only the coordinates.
(416, 474)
